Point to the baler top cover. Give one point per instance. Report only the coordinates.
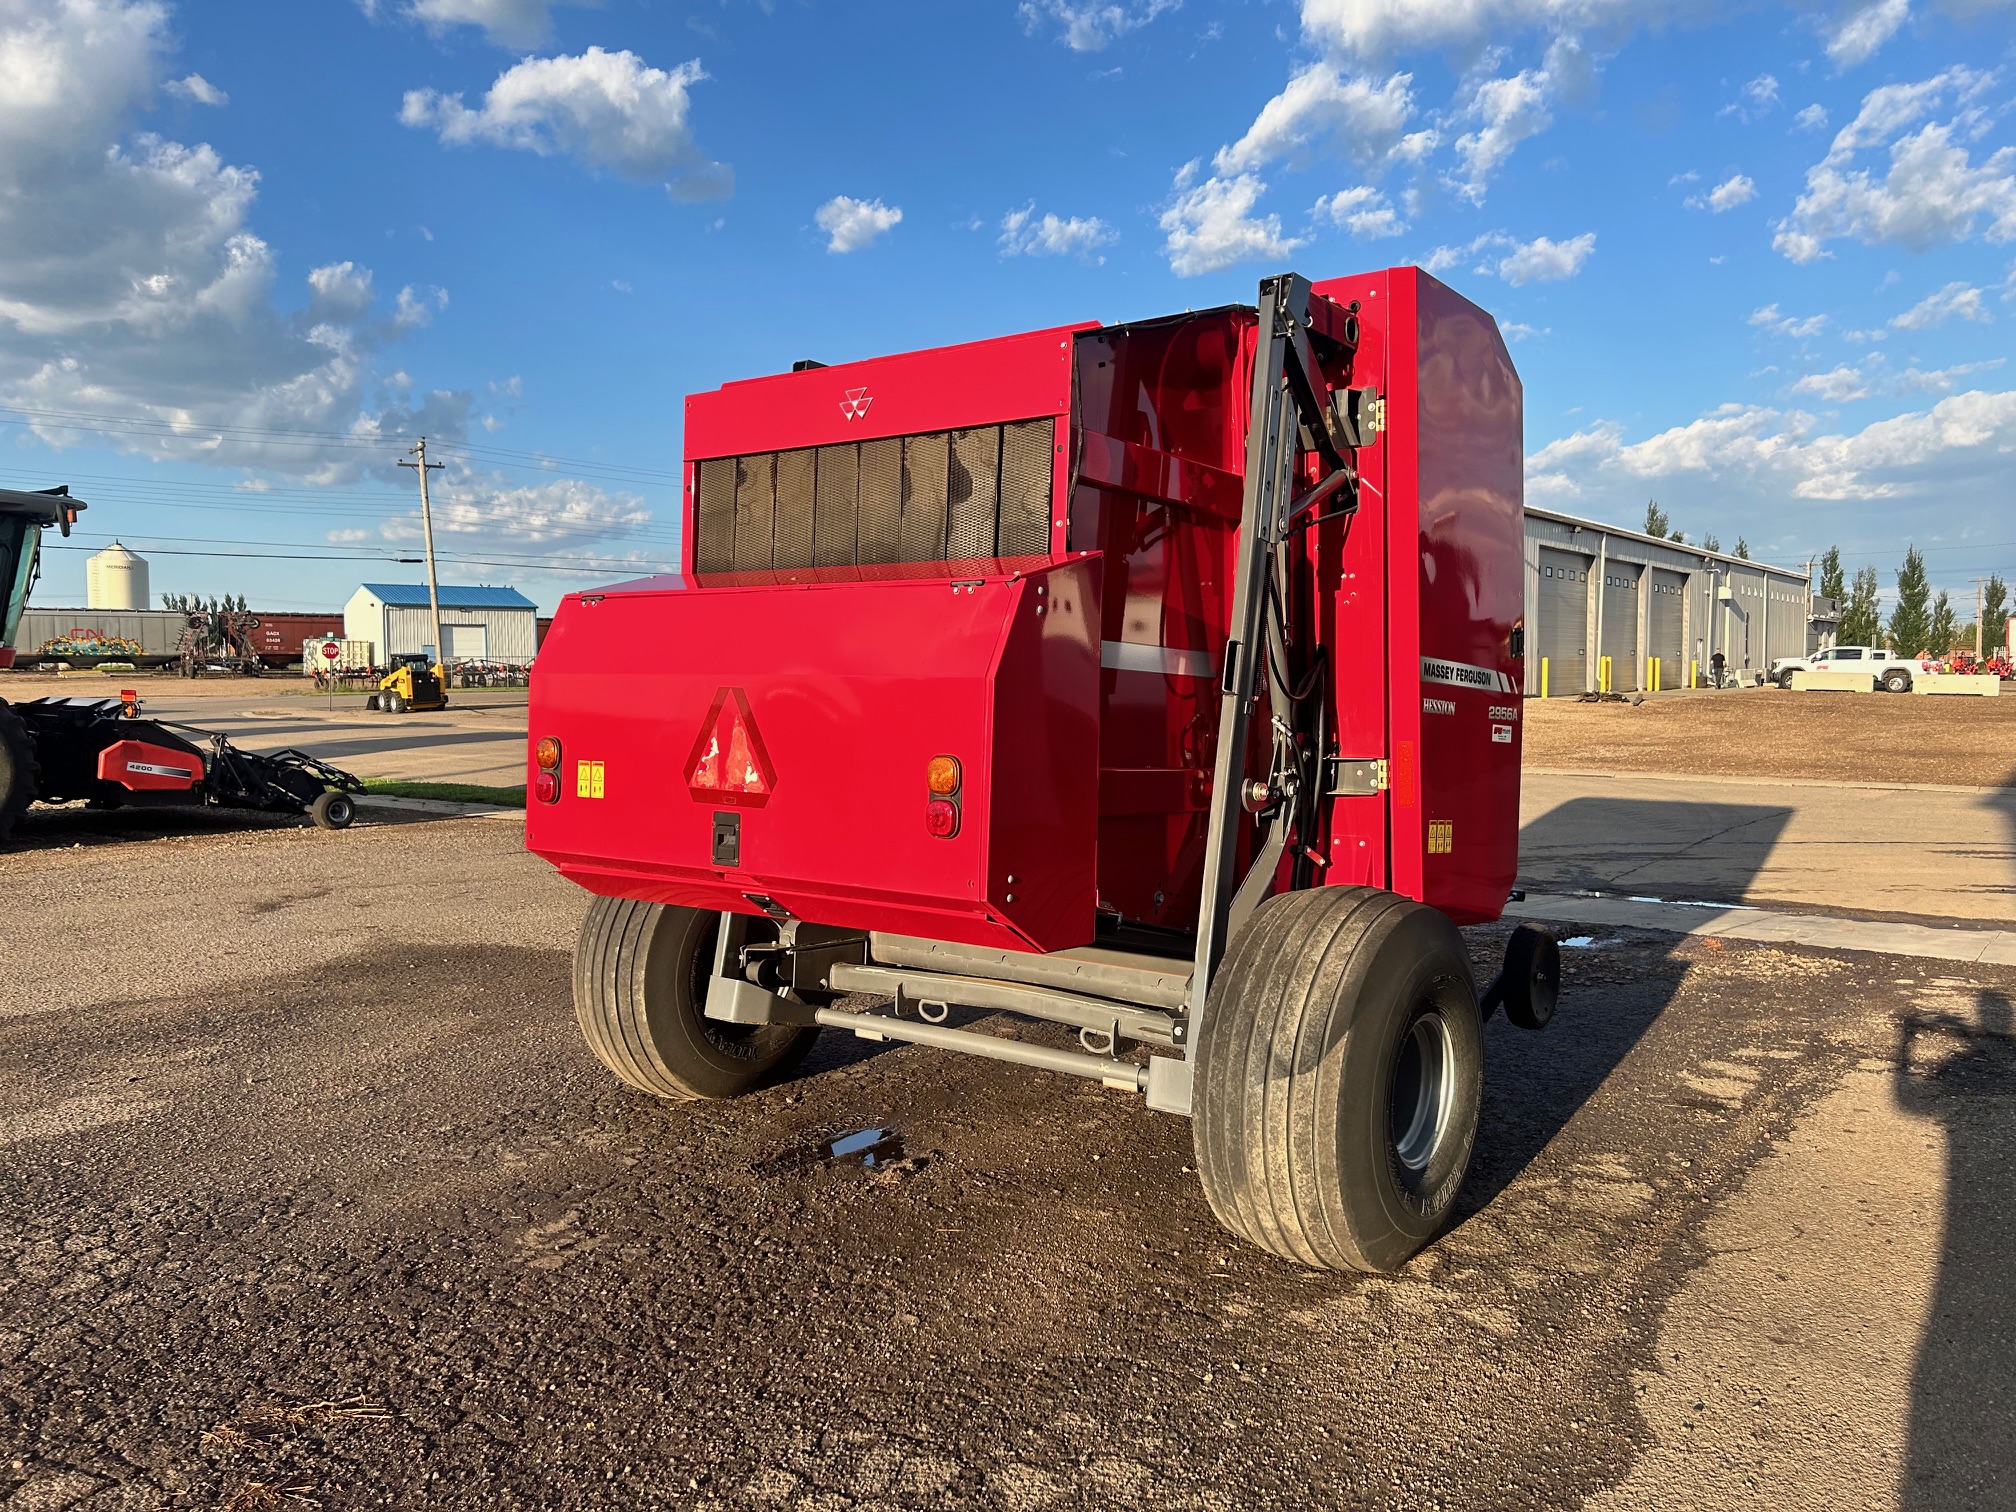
(1019, 554)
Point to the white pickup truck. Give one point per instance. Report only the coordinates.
(1893, 674)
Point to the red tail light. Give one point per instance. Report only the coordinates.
(546, 787)
(941, 818)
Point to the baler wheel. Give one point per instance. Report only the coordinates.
(640, 984)
(1340, 1067)
(333, 810)
(17, 771)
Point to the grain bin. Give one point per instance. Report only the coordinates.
(115, 579)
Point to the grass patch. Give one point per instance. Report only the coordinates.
(446, 792)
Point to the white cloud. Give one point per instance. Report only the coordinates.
(1800, 328)
(1934, 193)
(1941, 380)
(1812, 118)
(1090, 27)
(1323, 109)
(1756, 99)
(1023, 233)
(605, 110)
(559, 512)
(1945, 458)
(1544, 261)
(1735, 190)
(1840, 386)
(1957, 301)
(1857, 36)
(1380, 28)
(134, 290)
(1541, 260)
(508, 23)
(1363, 211)
(197, 90)
(1210, 226)
(1518, 330)
(851, 224)
(1508, 112)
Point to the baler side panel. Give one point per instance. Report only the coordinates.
(1471, 584)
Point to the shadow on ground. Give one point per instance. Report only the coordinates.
(1960, 1071)
(1709, 852)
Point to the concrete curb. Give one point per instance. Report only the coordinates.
(437, 806)
(1729, 921)
(1871, 785)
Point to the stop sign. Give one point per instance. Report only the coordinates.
(330, 650)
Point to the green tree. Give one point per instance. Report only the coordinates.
(1994, 613)
(1709, 543)
(1860, 624)
(1742, 548)
(1910, 621)
(1832, 584)
(1679, 538)
(1656, 523)
(1945, 628)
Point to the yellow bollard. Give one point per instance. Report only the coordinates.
(1603, 675)
(1655, 674)
(1694, 674)
(1543, 677)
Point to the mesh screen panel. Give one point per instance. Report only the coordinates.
(755, 511)
(833, 507)
(795, 504)
(881, 507)
(1026, 485)
(945, 496)
(714, 543)
(975, 494)
(922, 535)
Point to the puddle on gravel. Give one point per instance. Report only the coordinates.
(1588, 942)
(865, 1147)
(873, 1149)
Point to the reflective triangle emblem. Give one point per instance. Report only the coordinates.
(728, 763)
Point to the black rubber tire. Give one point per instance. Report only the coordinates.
(1785, 681)
(1532, 977)
(640, 974)
(371, 702)
(392, 701)
(333, 810)
(1301, 1065)
(1896, 680)
(18, 771)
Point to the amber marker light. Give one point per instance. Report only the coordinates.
(942, 776)
(547, 754)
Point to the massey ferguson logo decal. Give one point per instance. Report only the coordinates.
(855, 405)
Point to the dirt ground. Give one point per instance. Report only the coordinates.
(1767, 732)
(313, 1188)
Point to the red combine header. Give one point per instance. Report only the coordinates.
(1157, 681)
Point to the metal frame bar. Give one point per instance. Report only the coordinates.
(1120, 1075)
(1120, 1020)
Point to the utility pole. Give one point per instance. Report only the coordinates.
(423, 467)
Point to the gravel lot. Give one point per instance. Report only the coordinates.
(1767, 732)
(315, 1197)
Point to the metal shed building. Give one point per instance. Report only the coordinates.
(477, 624)
(1647, 612)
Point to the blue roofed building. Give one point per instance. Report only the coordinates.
(478, 624)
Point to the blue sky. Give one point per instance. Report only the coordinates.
(1758, 261)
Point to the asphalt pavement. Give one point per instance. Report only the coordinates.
(315, 1197)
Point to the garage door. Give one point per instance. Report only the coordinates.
(467, 642)
(1564, 621)
(1620, 625)
(1666, 625)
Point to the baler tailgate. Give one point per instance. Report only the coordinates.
(780, 750)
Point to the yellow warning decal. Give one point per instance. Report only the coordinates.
(1441, 837)
(588, 779)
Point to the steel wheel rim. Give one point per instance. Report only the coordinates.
(1421, 1093)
